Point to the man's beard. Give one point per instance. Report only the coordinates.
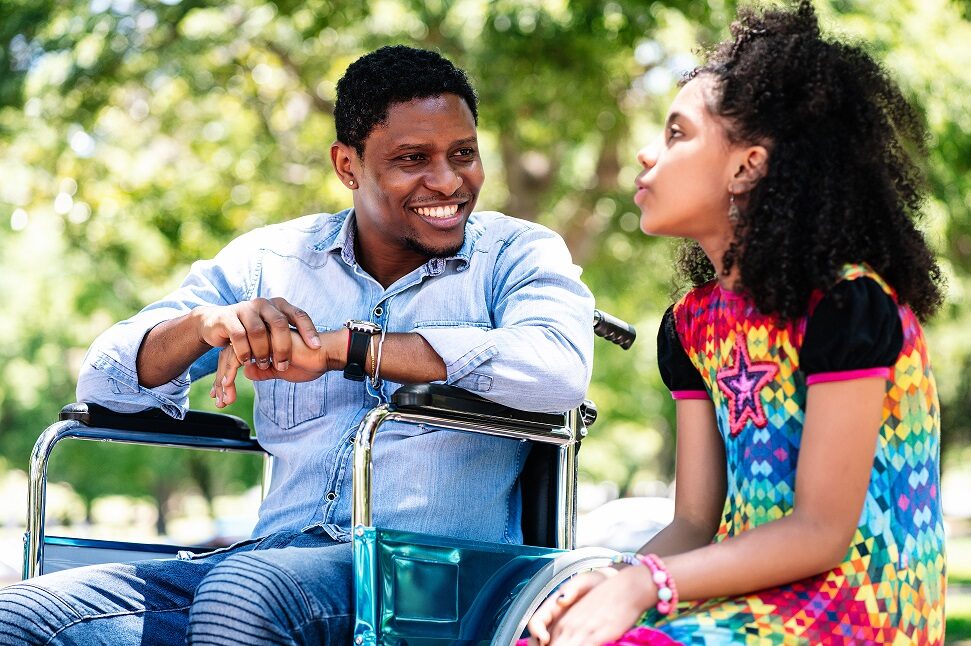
(431, 252)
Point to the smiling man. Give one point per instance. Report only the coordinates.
(409, 284)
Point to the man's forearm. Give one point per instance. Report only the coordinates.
(407, 359)
(168, 350)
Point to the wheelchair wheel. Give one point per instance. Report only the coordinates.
(542, 584)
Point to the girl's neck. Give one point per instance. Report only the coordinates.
(715, 250)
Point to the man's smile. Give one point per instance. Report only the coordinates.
(437, 212)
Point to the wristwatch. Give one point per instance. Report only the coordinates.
(357, 345)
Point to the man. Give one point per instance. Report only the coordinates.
(431, 291)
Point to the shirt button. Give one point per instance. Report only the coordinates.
(378, 311)
(332, 496)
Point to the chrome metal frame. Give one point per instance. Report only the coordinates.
(565, 437)
(73, 429)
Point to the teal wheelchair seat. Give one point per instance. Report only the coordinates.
(424, 590)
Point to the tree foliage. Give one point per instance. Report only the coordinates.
(137, 136)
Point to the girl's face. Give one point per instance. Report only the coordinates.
(688, 170)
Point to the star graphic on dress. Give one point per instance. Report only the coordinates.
(742, 384)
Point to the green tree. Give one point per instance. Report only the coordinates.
(138, 135)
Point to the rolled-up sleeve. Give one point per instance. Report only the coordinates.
(108, 373)
(539, 354)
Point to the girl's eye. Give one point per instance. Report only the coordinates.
(673, 132)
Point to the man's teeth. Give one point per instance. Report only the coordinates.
(438, 211)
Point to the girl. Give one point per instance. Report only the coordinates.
(808, 500)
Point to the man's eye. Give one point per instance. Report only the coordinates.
(412, 157)
(465, 152)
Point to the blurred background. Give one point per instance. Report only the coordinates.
(139, 135)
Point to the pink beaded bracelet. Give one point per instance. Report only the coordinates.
(667, 592)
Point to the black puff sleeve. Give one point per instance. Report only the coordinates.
(855, 331)
(678, 373)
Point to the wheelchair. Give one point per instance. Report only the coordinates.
(410, 588)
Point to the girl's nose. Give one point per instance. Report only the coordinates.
(647, 155)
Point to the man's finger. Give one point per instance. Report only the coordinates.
(300, 320)
(224, 388)
(278, 327)
(256, 333)
(238, 343)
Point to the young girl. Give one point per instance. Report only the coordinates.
(808, 499)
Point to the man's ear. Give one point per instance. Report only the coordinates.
(344, 159)
(751, 165)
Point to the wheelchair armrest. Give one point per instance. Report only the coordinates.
(441, 397)
(196, 423)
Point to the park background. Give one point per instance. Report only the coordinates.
(139, 135)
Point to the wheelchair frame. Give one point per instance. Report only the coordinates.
(443, 407)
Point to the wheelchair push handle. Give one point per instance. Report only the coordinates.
(613, 329)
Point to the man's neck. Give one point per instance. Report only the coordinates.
(384, 263)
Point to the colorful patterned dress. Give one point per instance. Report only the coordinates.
(890, 587)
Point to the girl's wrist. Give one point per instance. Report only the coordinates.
(647, 577)
(641, 584)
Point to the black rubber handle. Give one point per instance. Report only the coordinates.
(613, 329)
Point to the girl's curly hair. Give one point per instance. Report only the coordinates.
(842, 184)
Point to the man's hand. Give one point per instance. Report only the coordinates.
(258, 331)
(306, 364)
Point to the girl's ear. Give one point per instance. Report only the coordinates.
(752, 164)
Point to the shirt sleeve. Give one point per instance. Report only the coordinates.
(855, 332)
(539, 354)
(108, 373)
(677, 372)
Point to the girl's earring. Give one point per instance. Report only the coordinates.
(733, 212)
(350, 183)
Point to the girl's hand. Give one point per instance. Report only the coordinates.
(606, 611)
(553, 608)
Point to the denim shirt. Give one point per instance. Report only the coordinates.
(507, 314)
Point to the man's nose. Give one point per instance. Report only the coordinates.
(443, 179)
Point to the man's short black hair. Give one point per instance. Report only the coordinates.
(393, 74)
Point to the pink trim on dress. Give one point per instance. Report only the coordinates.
(689, 394)
(637, 636)
(644, 636)
(848, 375)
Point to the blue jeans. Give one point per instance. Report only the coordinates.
(286, 588)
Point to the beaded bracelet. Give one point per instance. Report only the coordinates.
(627, 558)
(667, 592)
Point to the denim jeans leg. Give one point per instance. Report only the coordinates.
(297, 594)
(145, 603)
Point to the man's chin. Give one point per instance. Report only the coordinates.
(434, 251)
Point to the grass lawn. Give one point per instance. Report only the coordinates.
(958, 606)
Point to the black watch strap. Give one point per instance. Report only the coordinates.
(357, 345)
(359, 338)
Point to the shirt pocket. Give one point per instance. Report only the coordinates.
(289, 404)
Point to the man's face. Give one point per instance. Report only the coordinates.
(419, 179)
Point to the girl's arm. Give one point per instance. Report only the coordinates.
(833, 472)
(700, 495)
(698, 505)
